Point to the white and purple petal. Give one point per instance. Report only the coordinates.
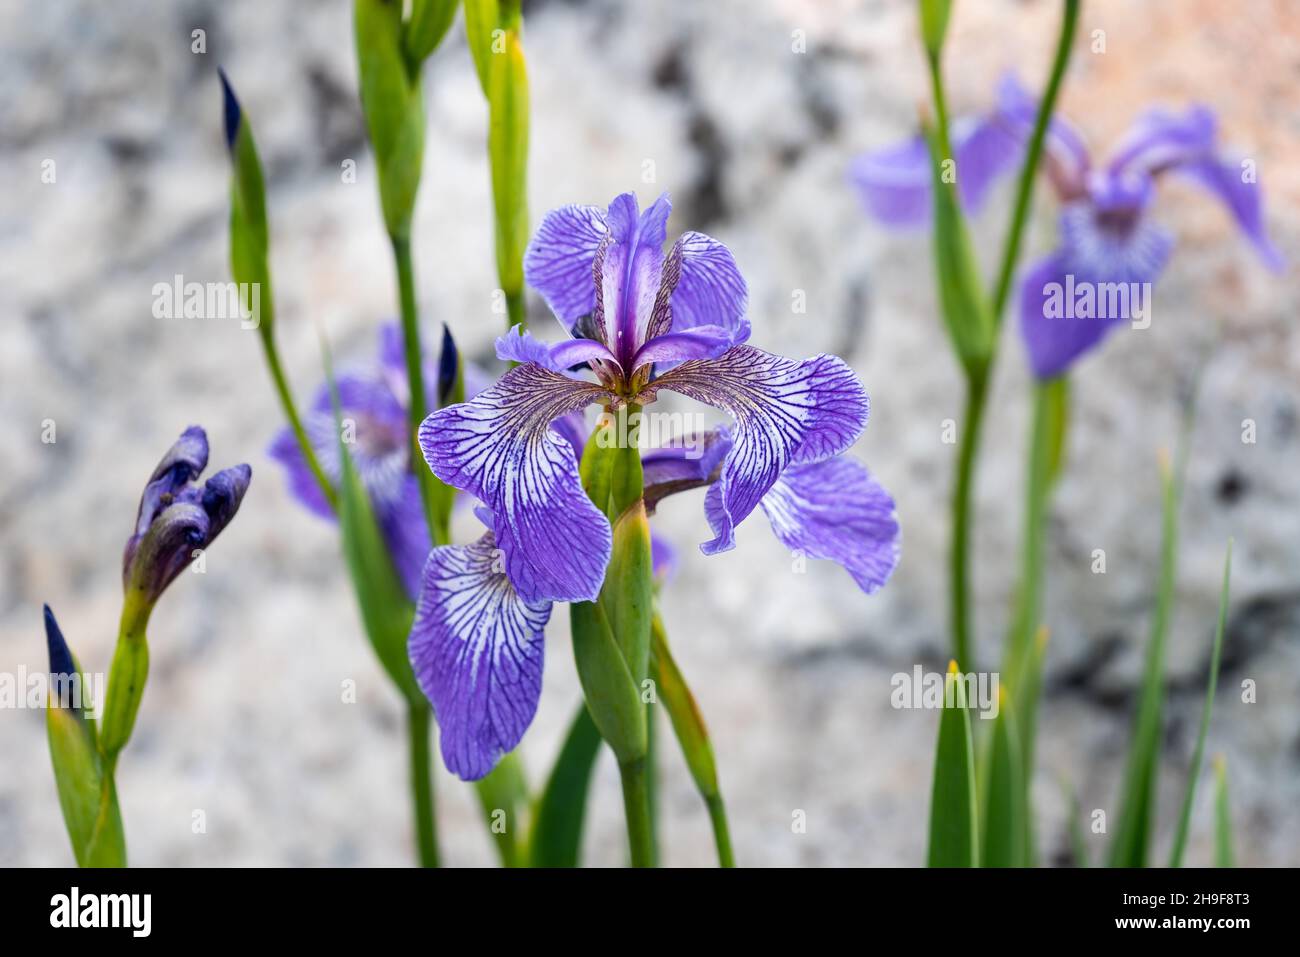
(558, 260)
(835, 509)
(477, 650)
(500, 447)
(710, 291)
(785, 411)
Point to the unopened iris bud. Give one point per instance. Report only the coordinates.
(65, 679)
(177, 519)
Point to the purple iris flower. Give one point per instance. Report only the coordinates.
(176, 518)
(373, 402)
(640, 320)
(1110, 251)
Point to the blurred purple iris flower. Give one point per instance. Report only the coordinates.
(177, 518)
(1110, 251)
(373, 401)
(639, 320)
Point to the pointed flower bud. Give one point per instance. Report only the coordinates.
(177, 518)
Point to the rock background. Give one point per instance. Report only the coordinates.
(243, 717)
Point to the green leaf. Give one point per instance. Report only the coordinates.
(1137, 804)
(1223, 855)
(394, 109)
(507, 91)
(502, 795)
(1004, 793)
(249, 233)
(934, 24)
(628, 593)
(1194, 772)
(481, 19)
(611, 693)
(556, 837)
(1077, 842)
(86, 795)
(966, 310)
(692, 735)
(424, 30)
(954, 810)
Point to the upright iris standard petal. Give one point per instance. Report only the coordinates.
(630, 271)
(785, 411)
(477, 648)
(710, 290)
(558, 261)
(500, 447)
(835, 509)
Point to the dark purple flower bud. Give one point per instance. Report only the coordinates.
(448, 366)
(62, 667)
(233, 112)
(177, 519)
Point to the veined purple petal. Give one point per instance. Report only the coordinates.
(558, 260)
(694, 458)
(835, 509)
(785, 411)
(1053, 339)
(477, 650)
(710, 290)
(517, 346)
(701, 342)
(500, 447)
(631, 267)
(572, 427)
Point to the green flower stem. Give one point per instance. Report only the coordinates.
(419, 727)
(636, 806)
(721, 832)
(959, 554)
(1025, 189)
(127, 677)
(290, 409)
(439, 531)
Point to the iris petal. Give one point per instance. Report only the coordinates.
(835, 509)
(477, 650)
(785, 411)
(558, 260)
(500, 447)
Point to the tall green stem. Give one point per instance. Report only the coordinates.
(959, 555)
(419, 726)
(418, 407)
(636, 806)
(295, 420)
(721, 832)
(1025, 189)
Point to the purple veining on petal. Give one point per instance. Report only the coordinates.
(710, 290)
(835, 509)
(477, 650)
(693, 463)
(785, 411)
(558, 261)
(500, 447)
(702, 342)
(631, 267)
